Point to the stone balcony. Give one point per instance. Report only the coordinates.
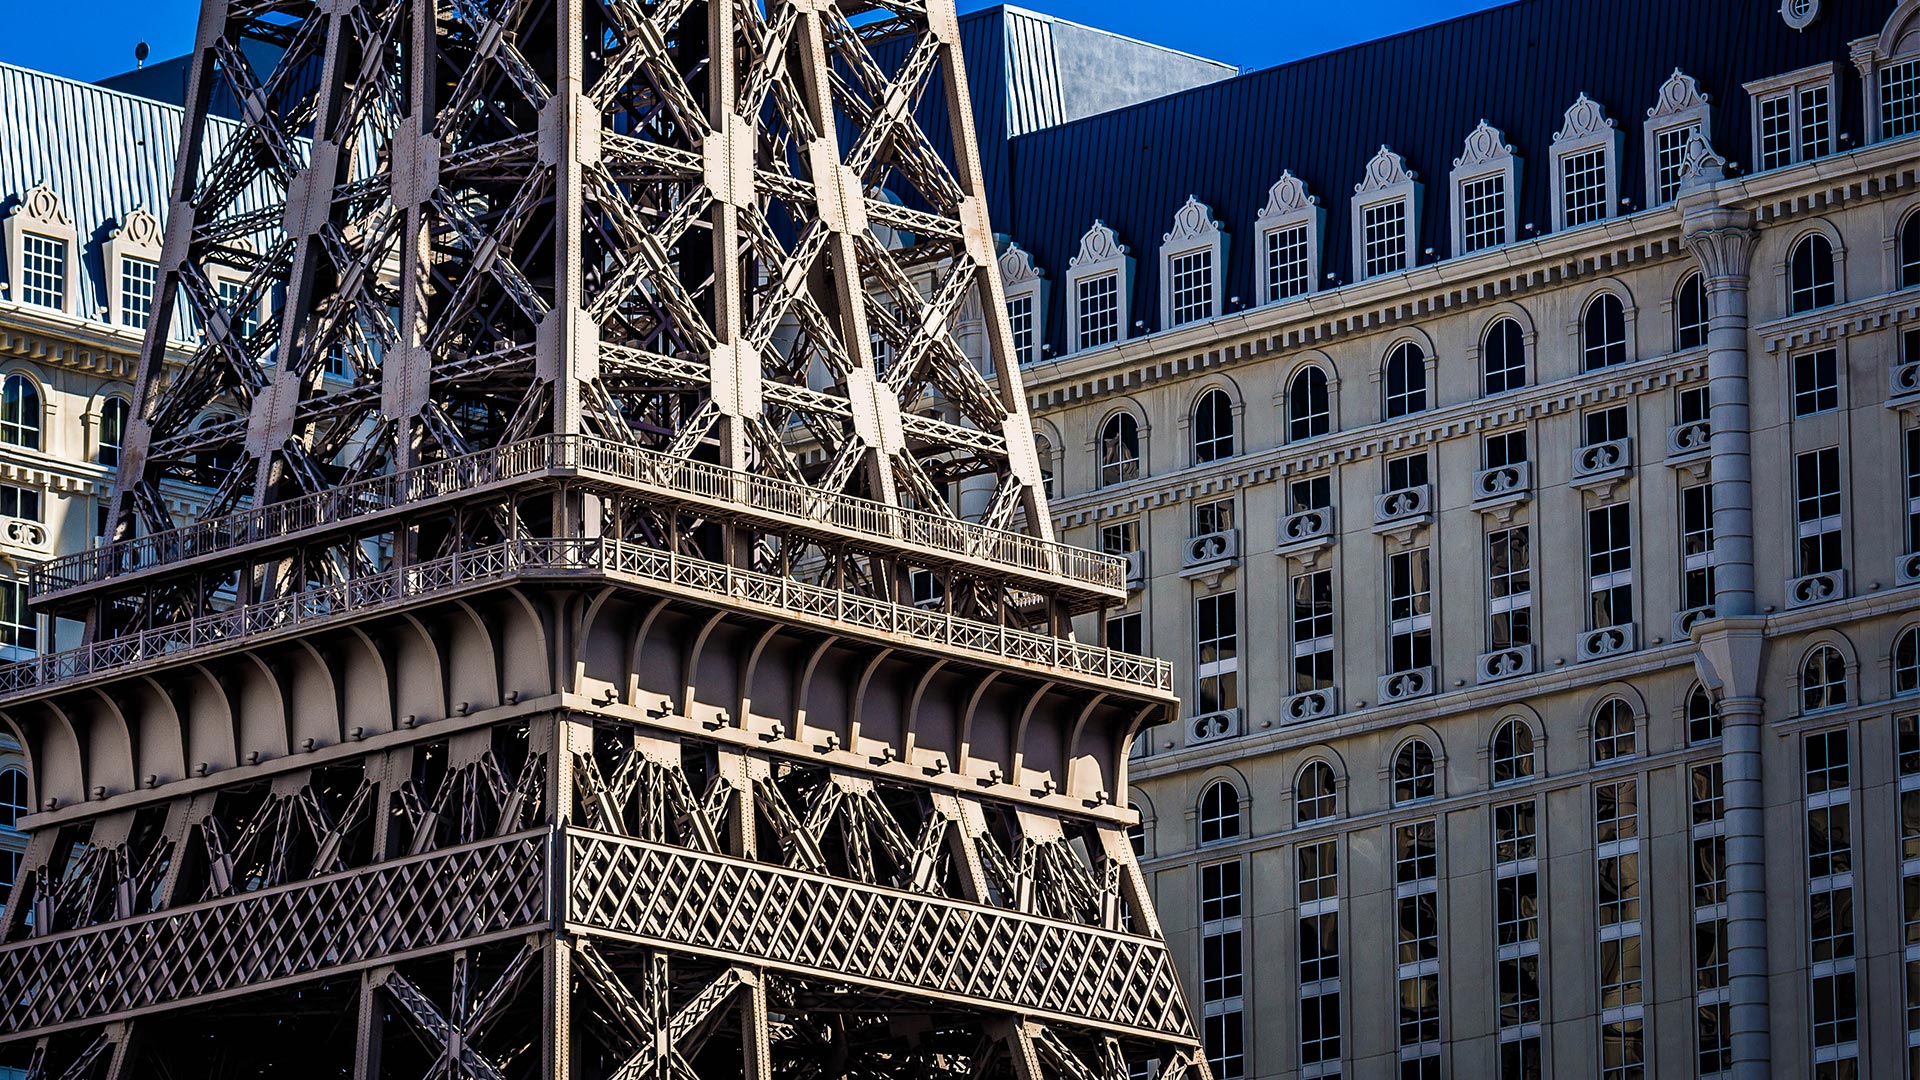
(1608, 641)
(1307, 532)
(1688, 442)
(1210, 553)
(1503, 486)
(1509, 663)
(1212, 727)
(1407, 685)
(1311, 705)
(1602, 463)
(1810, 589)
(1403, 508)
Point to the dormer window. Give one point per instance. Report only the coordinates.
(132, 256)
(1586, 150)
(43, 271)
(1100, 279)
(1792, 116)
(1384, 216)
(1026, 302)
(1483, 192)
(1289, 229)
(1681, 113)
(1190, 259)
(138, 279)
(1889, 65)
(40, 244)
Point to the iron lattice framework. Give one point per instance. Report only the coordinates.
(578, 611)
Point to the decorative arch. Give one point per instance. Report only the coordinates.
(1514, 750)
(1906, 249)
(1690, 311)
(1213, 420)
(1308, 399)
(1615, 721)
(1905, 660)
(1316, 788)
(1406, 375)
(1824, 676)
(1812, 268)
(1221, 809)
(1600, 340)
(23, 407)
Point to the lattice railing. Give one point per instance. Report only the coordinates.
(896, 941)
(252, 941)
(779, 596)
(597, 459)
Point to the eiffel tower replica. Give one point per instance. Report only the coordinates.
(594, 621)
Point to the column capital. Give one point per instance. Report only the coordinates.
(1721, 238)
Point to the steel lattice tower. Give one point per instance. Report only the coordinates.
(579, 612)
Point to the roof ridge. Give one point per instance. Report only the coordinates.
(92, 86)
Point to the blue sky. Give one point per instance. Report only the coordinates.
(90, 39)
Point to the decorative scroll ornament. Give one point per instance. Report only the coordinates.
(138, 229)
(1017, 267)
(42, 205)
(1288, 194)
(1486, 144)
(1387, 169)
(1584, 117)
(1099, 245)
(1701, 166)
(1193, 221)
(1679, 94)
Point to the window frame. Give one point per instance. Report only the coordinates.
(1318, 423)
(1023, 282)
(1813, 294)
(1680, 108)
(1485, 156)
(1411, 399)
(1696, 281)
(1623, 344)
(1586, 128)
(1521, 338)
(1388, 183)
(28, 430)
(1289, 207)
(1195, 233)
(42, 214)
(1217, 821)
(1101, 256)
(1119, 465)
(135, 241)
(1793, 87)
(1215, 446)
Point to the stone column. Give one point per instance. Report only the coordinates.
(1732, 642)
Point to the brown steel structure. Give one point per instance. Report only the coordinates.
(571, 658)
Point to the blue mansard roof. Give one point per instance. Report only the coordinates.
(1519, 67)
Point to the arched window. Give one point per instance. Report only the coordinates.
(1313, 793)
(1503, 357)
(1219, 812)
(1703, 717)
(1512, 751)
(1810, 274)
(1690, 313)
(1137, 832)
(1309, 408)
(1604, 332)
(1613, 734)
(1212, 427)
(1906, 662)
(1043, 450)
(1406, 381)
(20, 412)
(113, 430)
(13, 796)
(1413, 773)
(1119, 449)
(1823, 680)
(1910, 252)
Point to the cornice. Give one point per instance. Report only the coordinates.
(32, 333)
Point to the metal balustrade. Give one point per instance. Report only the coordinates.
(594, 458)
(480, 567)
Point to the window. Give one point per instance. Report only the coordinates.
(1910, 252)
(1506, 448)
(247, 314)
(1483, 213)
(1020, 322)
(1830, 909)
(1900, 99)
(113, 430)
(1119, 537)
(1317, 896)
(1288, 271)
(1217, 645)
(1913, 489)
(1222, 963)
(138, 280)
(1413, 775)
(1816, 382)
(13, 797)
(1603, 333)
(1192, 287)
(1309, 407)
(1703, 717)
(1219, 812)
(1097, 310)
(1516, 935)
(1617, 872)
(1123, 633)
(1409, 611)
(1609, 567)
(1212, 427)
(1604, 425)
(1670, 160)
(1810, 277)
(1417, 947)
(1137, 832)
(43, 271)
(1906, 661)
(1313, 793)
(1817, 510)
(1613, 731)
(1213, 516)
(1823, 680)
(1583, 187)
(19, 502)
(1406, 380)
(1793, 117)
(1696, 547)
(1907, 754)
(1384, 232)
(1503, 357)
(1313, 631)
(19, 629)
(1690, 313)
(1043, 455)
(1310, 493)
(1713, 1048)
(20, 412)
(1512, 751)
(1119, 449)
(1509, 588)
(1406, 472)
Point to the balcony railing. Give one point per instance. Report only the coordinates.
(596, 458)
(1607, 641)
(23, 533)
(1503, 484)
(1406, 685)
(1810, 589)
(1211, 551)
(1602, 461)
(1509, 663)
(1311, 705)
(1402, 505)
(1688, 440)
(468, 570)
(1306, 529)
(1213, 727)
